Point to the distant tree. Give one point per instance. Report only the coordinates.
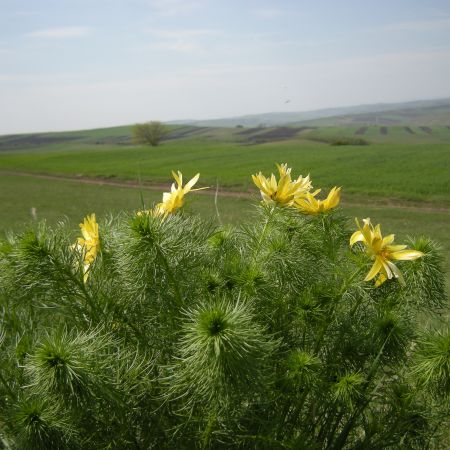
(149, 133)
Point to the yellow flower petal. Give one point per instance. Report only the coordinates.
(333, 198)
(273, 184)
(257, 180)
(367, 233)
(178, 177)
(406, 255)
(396, 272)
(283, 185)
(191, 183)
(395, 248)
(283, 169)
(388, 239)
(386, 268)
(357, 236)
(377, 231)
(377, 265)
(89, 245)
(380, 280)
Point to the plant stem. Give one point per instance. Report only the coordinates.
(264, 231)
(340, 294)
(172, 279)
(332, 432)
(342, 438)
(82, 287)
(89, 300)
(7, 387)
(331, 248)
(207, 432)
(347, 283)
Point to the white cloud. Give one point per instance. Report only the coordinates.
(60, 33)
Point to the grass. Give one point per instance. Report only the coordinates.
(398, 168)
(406, 171)
(55, 200)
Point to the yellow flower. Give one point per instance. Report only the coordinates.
(310, 205)
(174, 199)
(89, 244)
(382, 251)
(283, 191)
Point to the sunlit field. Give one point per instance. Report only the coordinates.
(399, 179)
(398, 168)
(230, 231)
(27, 199)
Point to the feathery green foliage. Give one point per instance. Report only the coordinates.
(183, 335)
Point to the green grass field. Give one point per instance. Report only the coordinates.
(400, 180)
(56, 200)
(405, 171)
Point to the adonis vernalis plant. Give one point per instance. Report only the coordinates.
(174, 199)
(383, 251)
(89, 245)
(284, 191)
(310, 205)
(161, 330)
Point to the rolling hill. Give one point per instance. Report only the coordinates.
(399, 178)
(422, 112)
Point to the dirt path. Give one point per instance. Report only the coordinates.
(381, 203)
(123, 183)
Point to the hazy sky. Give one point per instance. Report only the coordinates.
(90, 63)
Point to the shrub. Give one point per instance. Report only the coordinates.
(150, 133)
(160, 330)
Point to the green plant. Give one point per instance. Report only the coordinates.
(150, 133)
(185, 335)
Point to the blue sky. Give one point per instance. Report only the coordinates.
(84, 64)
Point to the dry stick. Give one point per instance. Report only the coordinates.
(215, 202)
(140, 188)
